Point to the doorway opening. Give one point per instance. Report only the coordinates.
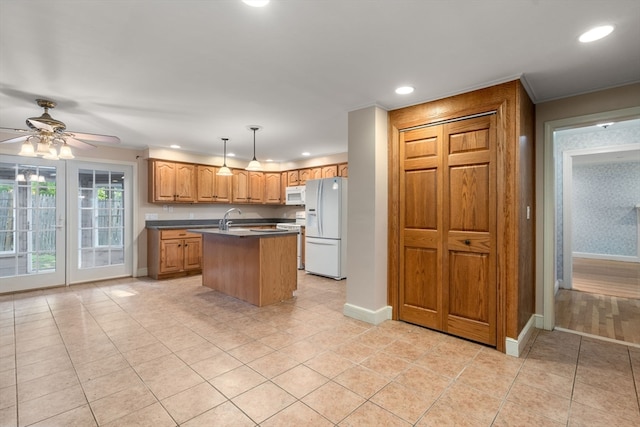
(592, 272)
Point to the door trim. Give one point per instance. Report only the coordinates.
(549, 279)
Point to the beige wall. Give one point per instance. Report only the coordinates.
(582, 105)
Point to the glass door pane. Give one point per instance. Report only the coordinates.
(31, 224)
(102, 239)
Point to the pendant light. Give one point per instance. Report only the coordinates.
(254, 165)
(224, 170)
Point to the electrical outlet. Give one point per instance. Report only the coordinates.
(151, 216)
(190, 215)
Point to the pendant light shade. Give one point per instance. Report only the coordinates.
(224, 170)
(254, 165)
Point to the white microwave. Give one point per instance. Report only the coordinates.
(295, 195)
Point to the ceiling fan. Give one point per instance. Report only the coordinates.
(51, 139)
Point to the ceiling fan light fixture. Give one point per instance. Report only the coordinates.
(224, 170)
(52, 154)
(27, 149)
(254, 165)
(65, 152)
(42, 148)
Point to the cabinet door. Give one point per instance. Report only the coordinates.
(163, 176)
(293, 178)
(304, 176)
(240, 193)
(171, 255)
(206, 183)
(315, 173)
(256, 187)
(223, 188)
(272, 187)
(329, 171)
(185, 182)
(469, 225)
(343, 170)
(192, 253)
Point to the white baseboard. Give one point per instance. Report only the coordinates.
(624, 258)
(514, 347)
(142, 272)
(366, 315)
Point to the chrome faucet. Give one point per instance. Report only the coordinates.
(223, 224)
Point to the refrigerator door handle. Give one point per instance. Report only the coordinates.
(319, 208)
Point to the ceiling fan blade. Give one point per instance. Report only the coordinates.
(41, 126)
(94, 137)
(77, 143)
(16, 139)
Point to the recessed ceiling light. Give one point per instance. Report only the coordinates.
(256, 3)
(596, 33)
(269, 160)
(231, 154)
(306, 153)
(174, 146)
(404, 90)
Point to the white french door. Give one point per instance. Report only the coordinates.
(63, 222)
(32, 223)
(100, 207)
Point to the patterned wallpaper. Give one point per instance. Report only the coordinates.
(575, 139)
(604, 214)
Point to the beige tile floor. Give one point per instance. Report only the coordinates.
(137, 352)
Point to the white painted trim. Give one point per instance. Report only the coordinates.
(549, 202)
(366, 315)
(567, 219)
(515, 347)
(623, 258)
(141, 272)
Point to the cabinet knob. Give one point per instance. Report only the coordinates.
(467, 242)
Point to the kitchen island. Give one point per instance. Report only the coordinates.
(255, 265)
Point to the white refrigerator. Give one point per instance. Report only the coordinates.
(326, 227)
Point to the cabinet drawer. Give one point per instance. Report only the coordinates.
(177, 234)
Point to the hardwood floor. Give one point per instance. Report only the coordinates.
(601, 315)
(615, 278)
(604, 301)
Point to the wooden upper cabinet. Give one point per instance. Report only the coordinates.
(240, 192)
(293, 178)
(329, 171)
(248, 186)
(212, 187)
(343, 170)
(256, 187)
(172, 182)
(272, 188)
(308, 174)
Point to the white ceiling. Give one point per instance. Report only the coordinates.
(191, 71)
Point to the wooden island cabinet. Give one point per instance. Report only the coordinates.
(257, 266)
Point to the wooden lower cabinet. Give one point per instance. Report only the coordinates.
(173, 253)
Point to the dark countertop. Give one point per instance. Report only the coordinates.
(213, 223)
(242, 232)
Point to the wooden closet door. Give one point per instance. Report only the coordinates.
(469, 220)
(420, 299)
